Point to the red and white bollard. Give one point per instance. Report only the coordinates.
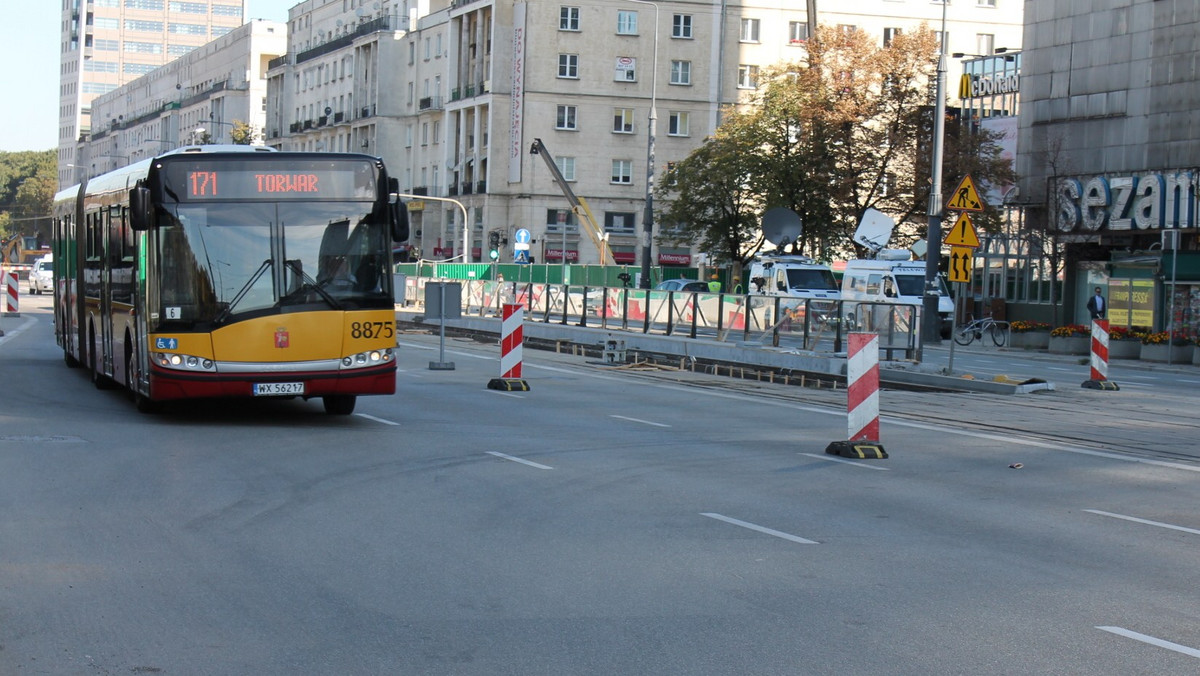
(512, 336)
(862, 400)
(1099, 365)
(12, 299)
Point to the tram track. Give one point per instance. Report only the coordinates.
(1142, 425)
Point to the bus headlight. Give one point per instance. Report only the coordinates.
(364, 359)
(182, 362)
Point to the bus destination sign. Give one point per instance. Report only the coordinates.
(242, 181)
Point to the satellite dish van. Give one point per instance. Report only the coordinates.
(891, 276)
(789, 275)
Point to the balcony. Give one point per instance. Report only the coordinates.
(481, 187)
(322, 121)
(467, 188)
(453, 189)
(308, 124)
(338, 117)
(420, 190)
(430, 103)
(367, 111)
(294, 128)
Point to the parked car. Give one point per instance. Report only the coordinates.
(41, 275)
(685, 285)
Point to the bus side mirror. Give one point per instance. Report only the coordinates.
(141, 209)
(398, 215)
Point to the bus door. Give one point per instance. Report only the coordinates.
(107, 232)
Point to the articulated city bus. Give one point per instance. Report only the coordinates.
(230, 271)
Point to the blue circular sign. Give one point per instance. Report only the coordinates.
(523, 236)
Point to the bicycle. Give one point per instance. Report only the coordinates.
(974, 330)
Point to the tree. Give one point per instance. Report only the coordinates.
(715, 205)
(27, 184)
(842, 130)
(243, 133)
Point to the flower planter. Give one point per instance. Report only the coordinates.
(1070, 344)
(1030, 340)
(1124, 349)
(1180, 354)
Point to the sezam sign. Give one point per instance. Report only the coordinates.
(1127, 203)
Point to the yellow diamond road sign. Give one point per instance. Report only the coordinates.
(961, 258)
(965, 197)
(963, 233)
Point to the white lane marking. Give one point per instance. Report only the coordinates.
(826, 410)
(855, 463)
(378, 420)
(1188, 380)
(523, 462)
(9, 335)
(638, 420)
(760, 529)
(1060, 368)
(514, 395)
(1119, 631)
(1147, 522)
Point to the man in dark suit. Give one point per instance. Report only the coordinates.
(1097, 305)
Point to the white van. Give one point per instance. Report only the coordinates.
(793, 276)
(893, 278)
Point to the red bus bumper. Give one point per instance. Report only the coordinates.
(167, 385)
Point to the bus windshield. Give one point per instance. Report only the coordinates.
(220, 262)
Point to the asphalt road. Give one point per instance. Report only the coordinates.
(608, 521)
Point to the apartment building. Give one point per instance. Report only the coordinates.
(197, 97)
(452, 94)
(108, 43)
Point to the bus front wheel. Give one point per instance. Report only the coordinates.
(339, 404)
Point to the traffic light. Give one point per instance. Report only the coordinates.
(494, 245)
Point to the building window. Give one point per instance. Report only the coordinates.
(985, 43)
(985, 3)
(623, 120)
(749, 30)
(620, 222)
(681, 72)
(889, 34)
(626, 69)
(681, 26)
(797, 32)
(568, 18)
(552, 219)
(622, 172)
(626, 23)
(566, 118)
(566, 167)
(747, 77)
(568, 65)
(143, 26)
(677, 123)
(187, 29)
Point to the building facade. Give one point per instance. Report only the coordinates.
(195, 98)
(108, 43)
(1108, 142)
(452, 95)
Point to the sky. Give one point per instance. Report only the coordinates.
(29, 39)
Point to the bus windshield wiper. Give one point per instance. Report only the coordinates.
(310, 283)
(266, 265)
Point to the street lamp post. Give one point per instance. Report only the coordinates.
(648, 215)
(931, 326)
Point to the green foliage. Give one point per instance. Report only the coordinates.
(28, 181)
(243, 133)
(845, 129)
(716, 205)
